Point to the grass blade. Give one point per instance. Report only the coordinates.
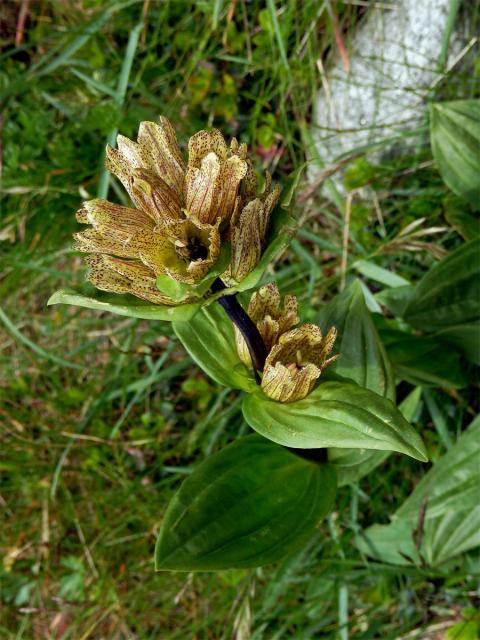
(278, 33)
(119, 99)
(18, 335)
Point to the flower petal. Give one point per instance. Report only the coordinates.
(118, 164)
(159, 143)
(265, 301)
(156, 251)
(90, 241)
(200, 184)
(116, 222)
(155, 196)
(268, 205)
(231, 173)
(157, 150)
(248, 189)
(246, 241)
(285, 385)
(204, 142)
(108, 274)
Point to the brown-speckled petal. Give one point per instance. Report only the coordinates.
(90, 241)
(102, 276)
(154, 196)
(200, 186)
(203, 143)
(246, 241)
(165, 158)
(115, 221)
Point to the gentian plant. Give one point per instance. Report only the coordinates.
(198, 233)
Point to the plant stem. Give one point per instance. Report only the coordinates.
(246, 326)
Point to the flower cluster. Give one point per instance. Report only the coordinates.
(296, 356)
(191, 221)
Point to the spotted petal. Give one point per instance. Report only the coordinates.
(203, 143)
(246, 241)
(106, 278)
(284, 384)
(154, 196)
(200, 189)
(115, 221)
(164, 153)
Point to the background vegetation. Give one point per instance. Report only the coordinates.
(101, 417)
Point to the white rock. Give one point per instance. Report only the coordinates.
(394, 60)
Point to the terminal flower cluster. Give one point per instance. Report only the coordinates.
(190, 220)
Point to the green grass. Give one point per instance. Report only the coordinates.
(102, 417)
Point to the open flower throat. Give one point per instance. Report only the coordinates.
(183, 213)
(296, 356)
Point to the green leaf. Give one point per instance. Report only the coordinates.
(246, 506)
(292, 185)
(453, 483)
(379, 274)
(467, 630)
(465, 337)
(353, 464)
(464, 223)
(448, 294)
(363, 360)
(448, 494)
(209, 338)
(362, 355)
(455, 140)
(124, 305)
(172, 288)
(423, 360)
(335, 414)
(396, 299)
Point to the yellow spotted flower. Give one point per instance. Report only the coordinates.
(296, 356)
(295, 363)
(173, 242)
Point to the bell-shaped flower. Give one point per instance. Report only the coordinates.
(295, 363)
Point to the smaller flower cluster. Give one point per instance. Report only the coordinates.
(296, 356)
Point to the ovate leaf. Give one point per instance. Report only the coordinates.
(335, 414)
(246, 506)
(209, 338)
(455, 140)
(124, 305)
(353, 464)
(448, 294)
(362, 355)
(363, 360)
